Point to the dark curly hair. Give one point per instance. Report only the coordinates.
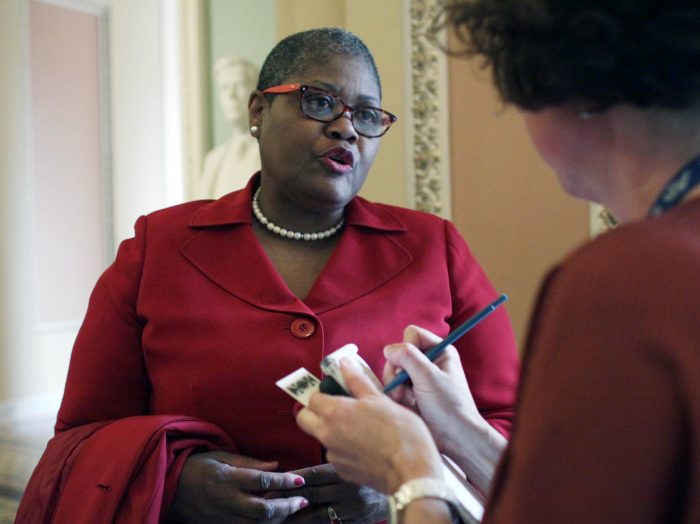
(595, 53)
(309, 48)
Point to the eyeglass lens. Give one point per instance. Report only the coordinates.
(326, 107)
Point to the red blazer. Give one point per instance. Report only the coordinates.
(193, 319)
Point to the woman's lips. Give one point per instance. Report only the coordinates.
(338, 159)
(334, 165)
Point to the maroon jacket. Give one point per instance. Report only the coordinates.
(608, 424)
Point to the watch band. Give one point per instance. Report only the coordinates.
(423, 487)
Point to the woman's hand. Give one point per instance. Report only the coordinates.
(370, 439)
(218, 487)
(324, 489)
(439, 392)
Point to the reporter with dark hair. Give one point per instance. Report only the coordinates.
(608, 424)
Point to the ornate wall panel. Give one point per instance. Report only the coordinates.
(428, 136)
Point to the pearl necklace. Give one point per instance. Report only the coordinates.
(286, 233)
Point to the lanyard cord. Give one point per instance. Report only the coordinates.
(677, 188)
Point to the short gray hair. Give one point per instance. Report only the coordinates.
(299, 51)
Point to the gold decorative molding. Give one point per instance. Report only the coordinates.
(429, 140)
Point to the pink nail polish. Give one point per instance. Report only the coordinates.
(303, 504)
(299, 481)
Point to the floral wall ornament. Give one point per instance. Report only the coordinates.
(429, 110)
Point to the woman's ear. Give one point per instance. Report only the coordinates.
(257, 103)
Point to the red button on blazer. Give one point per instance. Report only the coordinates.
(303, 328)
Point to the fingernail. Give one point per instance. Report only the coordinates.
(304, 503)
(299, 481)
(296, 408)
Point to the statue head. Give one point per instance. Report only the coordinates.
(235, 79)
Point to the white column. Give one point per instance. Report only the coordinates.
(137, 112)
(15, 277)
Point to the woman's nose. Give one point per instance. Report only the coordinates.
(342, 128)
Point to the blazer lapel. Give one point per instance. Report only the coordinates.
(369, 254)
(232, 258)
(225, 249)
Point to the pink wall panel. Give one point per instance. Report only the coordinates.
(68, 223)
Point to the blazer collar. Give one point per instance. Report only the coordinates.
(225, 249)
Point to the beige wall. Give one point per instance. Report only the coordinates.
(506, 202)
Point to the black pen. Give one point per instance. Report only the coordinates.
(435, 351)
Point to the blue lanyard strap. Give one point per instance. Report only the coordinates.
(677, 188)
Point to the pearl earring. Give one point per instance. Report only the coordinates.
(254, 130)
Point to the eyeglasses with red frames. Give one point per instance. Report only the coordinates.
(322, 106)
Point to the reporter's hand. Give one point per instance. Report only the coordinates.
(370, 439)
(218, 487)
(324, 489)
(438, 391)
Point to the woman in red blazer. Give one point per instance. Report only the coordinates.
(211, 302)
